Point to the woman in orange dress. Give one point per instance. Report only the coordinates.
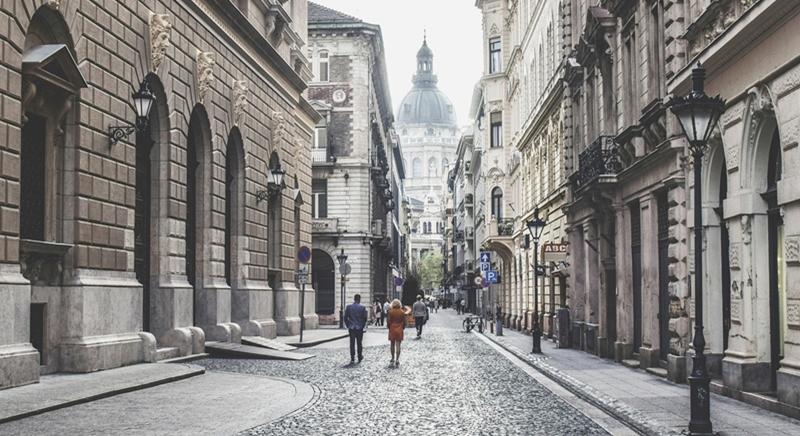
(396, 322)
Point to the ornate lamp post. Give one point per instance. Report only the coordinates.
(143, 101)
(342, 258)
(698, 114)
(535, 228)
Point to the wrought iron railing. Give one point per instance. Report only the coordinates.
(505, 227)
(600, 158)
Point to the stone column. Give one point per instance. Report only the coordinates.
(623, 347)
(591, 283)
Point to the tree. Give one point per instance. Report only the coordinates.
(430, 271)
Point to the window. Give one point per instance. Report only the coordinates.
(319, 198)
(496, 129)
(495, 63)
(629, 63)
(321, 137)
(445, 164)
(497, 203)
(656, 50)
(322, 73)
(416, 167)
(432, 170)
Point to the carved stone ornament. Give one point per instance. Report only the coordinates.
(494, 30)
(160, 30)
(239, 101)
(733, 256)
(746, 229)
(278, 128)
(54, 4)
(791, 249)
(204, 74)
(759, 102)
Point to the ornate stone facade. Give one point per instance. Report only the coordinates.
(130, 252)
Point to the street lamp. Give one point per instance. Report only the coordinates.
(698, 114)
(143, 101)
(342, 258)
(535, 228)
(275, 183)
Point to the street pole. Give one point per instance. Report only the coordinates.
(302, 309)
(537, 332)
(341, 305)
(699, 381)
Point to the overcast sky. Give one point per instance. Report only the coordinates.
(454, 35)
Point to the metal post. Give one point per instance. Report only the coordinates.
(699, 381)
(536, 332)
(302, 309)
(341, 306)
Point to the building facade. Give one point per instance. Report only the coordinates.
(629, 210)
(428, 130)
(357, 174)
(523, 163)
(126, 246)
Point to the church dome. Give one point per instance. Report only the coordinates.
(425, 103)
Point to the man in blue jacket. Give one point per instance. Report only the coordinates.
(355, 318)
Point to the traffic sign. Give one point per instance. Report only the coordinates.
(398, 281)
(302, 274)
(493, 277)
(479, 281)
(485, 266)
(486, 257)
(347, 269)
(304, 254)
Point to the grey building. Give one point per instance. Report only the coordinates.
(357, 173)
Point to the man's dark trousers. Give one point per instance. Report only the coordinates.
(356, 336)
(419, 321)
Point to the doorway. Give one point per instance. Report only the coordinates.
(724, 243)
(142, 217)
(777, 266)
(323, 276)
(663, 275)
(636, 273)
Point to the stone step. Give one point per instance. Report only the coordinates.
(259, 341)
(184, 359)
(661, 372)
(630, 363)
(166, 353)
(228, 349)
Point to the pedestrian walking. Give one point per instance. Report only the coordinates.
(376, 312)
(396, 322)
(355, 318)
(384, 308)
(420, 312)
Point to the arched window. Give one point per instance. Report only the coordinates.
(445, 164)
(432, 170)
(497, 203)
(322, 68)
(416, 169)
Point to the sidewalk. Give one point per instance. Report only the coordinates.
(63, 390)
(649, 403)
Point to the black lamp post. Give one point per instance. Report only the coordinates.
(143, 101)
(342, 258)
(535, 228)
(698, 114)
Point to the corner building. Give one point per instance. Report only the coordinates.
(114, 252)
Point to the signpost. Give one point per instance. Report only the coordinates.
(303, 256)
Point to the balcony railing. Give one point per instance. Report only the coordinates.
(505, 227)
(322, 156)
(325, 225)
(601, 158)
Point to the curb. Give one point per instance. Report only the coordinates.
(316, 342)
(100, 396)
(627, 415)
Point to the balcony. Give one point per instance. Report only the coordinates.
(325, 225)
(599, 162)
(505, 227)
(322, 156)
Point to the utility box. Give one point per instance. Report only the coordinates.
(562, 332)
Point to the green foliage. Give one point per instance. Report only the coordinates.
(430, 271)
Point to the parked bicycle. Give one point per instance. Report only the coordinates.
(473, 321)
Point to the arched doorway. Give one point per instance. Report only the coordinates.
(198, 178)
(234, 205)
(323, 277)
(149, 143)
(777, 265)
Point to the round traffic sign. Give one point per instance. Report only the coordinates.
(304, 254)
(398, 281)
(347, 269)
(478, 281)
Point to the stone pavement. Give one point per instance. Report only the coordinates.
(209, 404)
(449, 383)
(653, 404)
(63, 390)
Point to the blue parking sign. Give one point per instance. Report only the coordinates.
(485, 266)
(486, 257)
(493, 277)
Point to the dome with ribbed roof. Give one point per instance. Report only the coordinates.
(425, 103)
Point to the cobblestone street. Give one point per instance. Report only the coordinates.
(448, 383)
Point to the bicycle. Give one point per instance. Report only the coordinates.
(473, 321)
